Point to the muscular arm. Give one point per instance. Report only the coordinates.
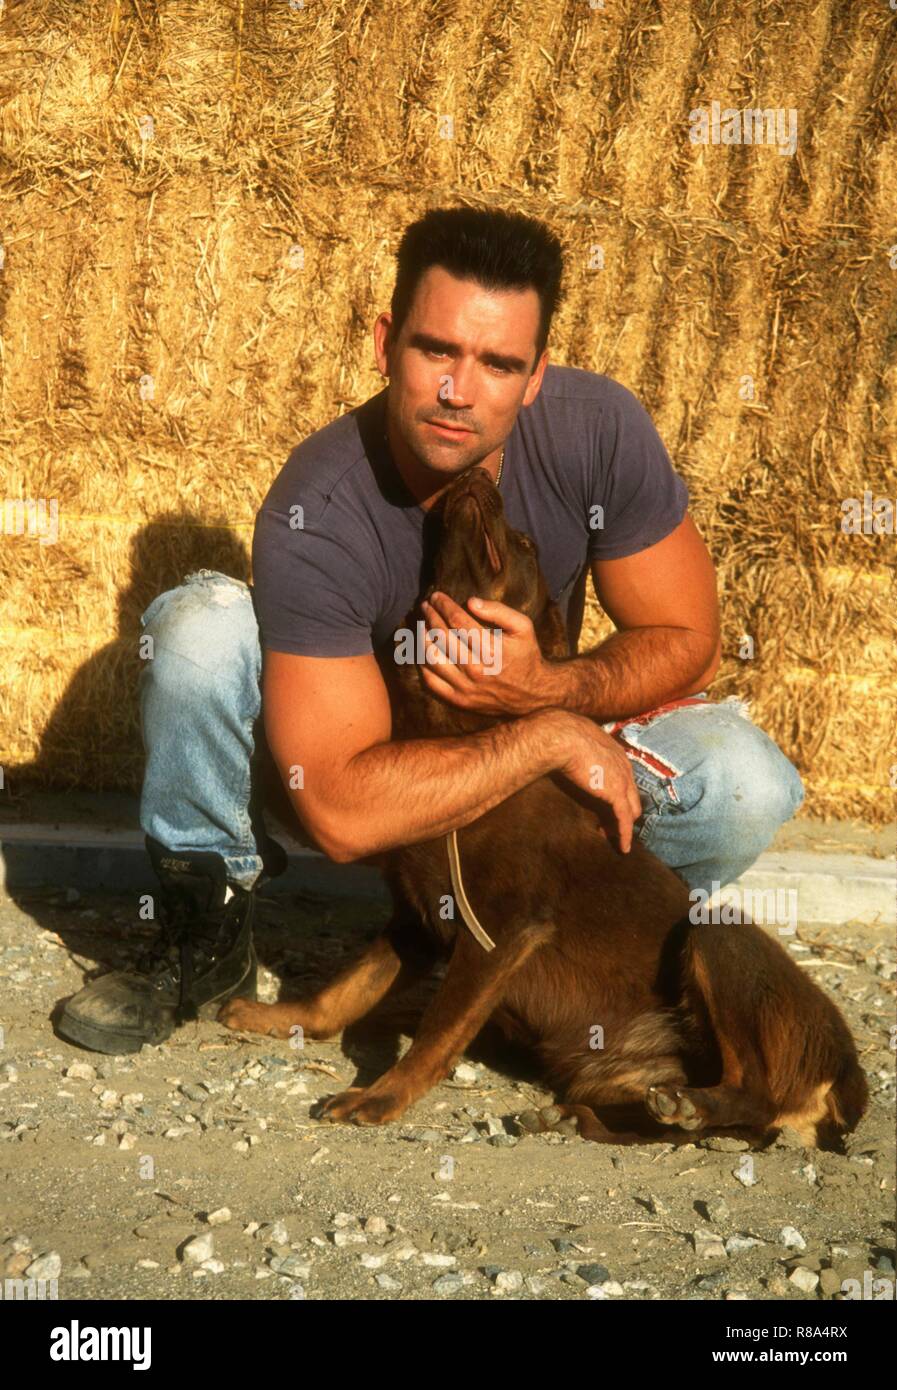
(664, 604)
(361, 794)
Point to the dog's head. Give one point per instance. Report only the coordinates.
(480, 554)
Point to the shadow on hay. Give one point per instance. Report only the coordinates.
(91, 741)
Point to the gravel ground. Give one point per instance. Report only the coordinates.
(194, 1171)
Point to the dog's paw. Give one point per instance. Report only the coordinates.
(562, 1119)
(361, 1106)
(671, 1106)
(246, 1016)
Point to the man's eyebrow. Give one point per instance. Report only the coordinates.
(492, 359)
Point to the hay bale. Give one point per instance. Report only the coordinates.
(198, 211)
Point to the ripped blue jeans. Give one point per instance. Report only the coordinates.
(714, 788)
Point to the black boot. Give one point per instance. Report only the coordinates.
(203, 955)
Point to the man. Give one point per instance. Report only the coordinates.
(340, 556)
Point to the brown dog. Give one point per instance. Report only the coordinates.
(699, 1027)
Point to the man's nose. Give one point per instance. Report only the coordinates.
(454, 387)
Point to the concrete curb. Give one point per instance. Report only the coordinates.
(833, 888)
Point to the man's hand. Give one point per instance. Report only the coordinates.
(596, 763)
(513, 676)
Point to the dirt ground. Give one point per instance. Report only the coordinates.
(194, 1171)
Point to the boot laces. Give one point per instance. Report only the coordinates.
(188, 938)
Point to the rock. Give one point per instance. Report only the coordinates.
(386, 1281)
(788, 1138)
(401, 1250)
(219, 1217)
(341, 1219)
(652, 1204)
(708, 1245)
(127, 1141)
(716, 1209)
(10, 1071)
(47, 1266)
(563, 1246)
(723, 1144)
(505, 1141)
(376, 1226)
(465, 1075)
(437, 1261)
(213, 1266)
(829, 1282)
(593, 1273)
(508, 1281)
(109, 1100)
(448, 1283)
(293, 1265)
(609, 1289)
(16, 1265)
(273, 1233)
(200, 1248)
(81, 1071)
(342, 1238)
(18, 1243)
(804, 1279)
(199, 1094)
(791, 1238)
(736, 1245)
(369, 1261)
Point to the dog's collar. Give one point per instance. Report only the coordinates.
(475, 927)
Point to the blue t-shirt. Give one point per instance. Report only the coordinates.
(585, 474)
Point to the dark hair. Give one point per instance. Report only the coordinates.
(499, 250)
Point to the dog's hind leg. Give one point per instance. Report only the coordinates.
(578, 1119)
(472, 988)
(776, 1035)
(393, 961)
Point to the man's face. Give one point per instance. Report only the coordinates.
(460, 369)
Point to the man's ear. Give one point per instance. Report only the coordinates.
(535, 382)
(383, 344)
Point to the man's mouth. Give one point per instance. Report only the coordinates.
(448, 431)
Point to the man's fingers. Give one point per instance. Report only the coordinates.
(495, 614)
(443, 609)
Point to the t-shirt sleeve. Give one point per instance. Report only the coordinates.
(640, 496)
(308, 588)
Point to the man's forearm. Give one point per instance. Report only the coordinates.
(404, 792)
(632, 671)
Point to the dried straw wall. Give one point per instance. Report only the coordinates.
(199, 205)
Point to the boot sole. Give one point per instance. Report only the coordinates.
(105, 1040)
